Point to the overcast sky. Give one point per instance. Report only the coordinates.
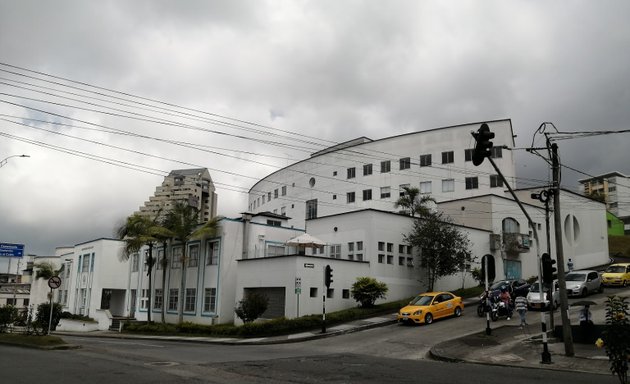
(266, 83)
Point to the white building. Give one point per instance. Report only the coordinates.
(614, 187)
(345, 197)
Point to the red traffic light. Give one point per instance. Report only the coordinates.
(484, 145)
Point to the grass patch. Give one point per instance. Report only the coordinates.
(469, 292)
(30, 340)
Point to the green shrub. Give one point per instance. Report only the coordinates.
(251, 307)
(43, 315)
(72, 316)
(366, 290)
(8, 314)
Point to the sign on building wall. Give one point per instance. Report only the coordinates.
(11, 250)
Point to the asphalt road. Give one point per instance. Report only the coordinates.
(394, 353)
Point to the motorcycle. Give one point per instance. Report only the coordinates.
(499, 309)
(483, 307)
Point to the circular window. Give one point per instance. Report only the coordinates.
(311, 182)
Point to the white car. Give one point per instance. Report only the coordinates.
(581, 283)
(533, 297)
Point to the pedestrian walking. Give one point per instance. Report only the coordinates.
(521, 307)
(570, 265)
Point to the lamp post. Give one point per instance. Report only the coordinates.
(5, 160)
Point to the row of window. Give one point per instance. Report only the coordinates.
(190, 299)
(268, 196)
(448, 185)
(212, 257)
(425, 161)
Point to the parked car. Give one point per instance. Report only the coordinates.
(514, 286)
(581, 283)
(533, 297)
(430, 306)
(617, 274)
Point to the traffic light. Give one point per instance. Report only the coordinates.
(548, 269)
(487, 259)
(484, 145)
(328, 276)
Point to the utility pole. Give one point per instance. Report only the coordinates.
(557, 220)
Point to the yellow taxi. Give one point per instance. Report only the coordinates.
(617, 274)
(430, 306)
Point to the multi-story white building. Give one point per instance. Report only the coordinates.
(614, 187)
(366, 173)
(345, 197)
(192, 186)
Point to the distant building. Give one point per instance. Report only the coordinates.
(191, 186)
(614, 189)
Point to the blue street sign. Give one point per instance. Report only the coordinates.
(11, 250)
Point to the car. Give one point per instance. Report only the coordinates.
(514, 286)
(533, 297)
(429, 306)
(617, 274)
(581, 283)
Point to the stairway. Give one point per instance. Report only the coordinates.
(117, 322)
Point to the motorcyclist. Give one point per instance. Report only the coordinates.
(506, 298)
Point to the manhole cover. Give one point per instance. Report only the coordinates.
(162, 363)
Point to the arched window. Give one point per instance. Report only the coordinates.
(510, 225)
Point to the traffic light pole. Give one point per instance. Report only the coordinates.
(546, 356)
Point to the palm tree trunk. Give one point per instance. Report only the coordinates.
(149, 270)
(182, 290)
(164, 265)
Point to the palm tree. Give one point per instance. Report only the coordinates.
(138, 231)
(183, 222)
(412, 204)
(46, 270)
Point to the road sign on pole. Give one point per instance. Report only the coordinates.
(11, 250)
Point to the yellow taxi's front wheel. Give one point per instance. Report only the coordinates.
(457, 312)
(428, 318)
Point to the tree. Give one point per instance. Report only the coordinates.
(366, 290)
(444, 248)
(183, 222)
(46, 270)
(251, 307)
(138, 231)
(412, 203)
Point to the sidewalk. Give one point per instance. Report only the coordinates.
(512, 346)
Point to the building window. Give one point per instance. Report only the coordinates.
(311, 209)
(401, 260)
(191, 299)
(160, 256)
(386, 166)
(352, 172)
(472, 183)
(134, 263)
(144, 298)
(330, 293)
(313, 292)
(284, 190)
(345, 293)
(390, 247)
(367, 169)
(381, 246)
(158, 299)
(283, 211)
(210, 300)
(350, 247)
(410, 261)
(381, 258)
(425, 187)
(359, 246)
(85, 266)
(274, 223)
(495, 181)
(448, 157)
(468, 154)
(173, 298)
(405, 163)
(367, 194)
(386, 192)
(496, 152)
(275, 193)
(334, 173)
(448, 185)
(11, 301)
(390, 259)
(425, 160)
(401, 189)
(177, 258)
(145, 265)
(350, 197)
(193, 255)
(334, 197)
(263, 199)
(335, 251)
(359, 257)
(401, 248)
(268, 196)
(212, 252)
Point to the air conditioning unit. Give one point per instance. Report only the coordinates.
(495, 242)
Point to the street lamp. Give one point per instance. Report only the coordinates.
(4, 161)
